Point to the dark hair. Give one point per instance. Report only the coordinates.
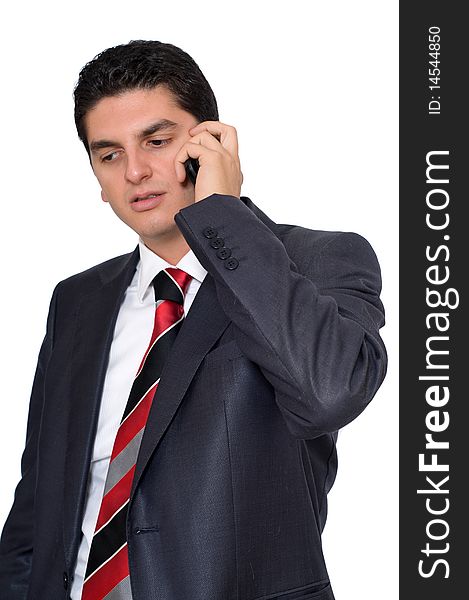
(143, 64)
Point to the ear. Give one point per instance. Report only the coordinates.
(103, 197)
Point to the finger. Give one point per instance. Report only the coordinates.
(227, 134)
(189, 150)
(179, 161)
(209, 141)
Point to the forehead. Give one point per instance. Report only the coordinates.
(133, 111)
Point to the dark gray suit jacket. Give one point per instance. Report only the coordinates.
(279, 350)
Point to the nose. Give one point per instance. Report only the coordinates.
(138, 167)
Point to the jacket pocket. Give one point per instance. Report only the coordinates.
(316, 591)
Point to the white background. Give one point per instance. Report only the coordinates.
(312, 89)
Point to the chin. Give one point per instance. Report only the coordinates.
(158, 233)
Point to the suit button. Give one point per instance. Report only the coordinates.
(210, 232)
(65, 580)
(231, 263)
(224, 253)
(217, 243)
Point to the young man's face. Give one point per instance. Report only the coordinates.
(133, 140)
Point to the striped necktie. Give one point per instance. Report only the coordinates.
(107, 573)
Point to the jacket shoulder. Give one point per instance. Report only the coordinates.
(96, 275)
(309, 247)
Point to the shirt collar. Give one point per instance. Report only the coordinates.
(151, 264)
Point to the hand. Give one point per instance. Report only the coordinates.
(215, 146)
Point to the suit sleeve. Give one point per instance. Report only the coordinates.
(315, 333)
(16, 543)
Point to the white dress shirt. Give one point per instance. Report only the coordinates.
(131, 337)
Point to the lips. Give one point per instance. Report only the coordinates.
(146, 201)
(146, 196)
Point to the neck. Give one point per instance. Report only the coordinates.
(171, 253)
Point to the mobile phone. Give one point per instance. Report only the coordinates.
(192, 167)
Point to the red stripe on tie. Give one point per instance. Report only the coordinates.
(168, 313)
(182, 278)
(134, 422)
(115, 498)
(107, 577)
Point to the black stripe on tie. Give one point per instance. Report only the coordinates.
(152, 369)
(108, 541)
(166, 289)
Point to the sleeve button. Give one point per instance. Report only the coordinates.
(210, 232)
(217, 243)
(231, 263)
(224, 253)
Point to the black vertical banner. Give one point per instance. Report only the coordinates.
(434, 252)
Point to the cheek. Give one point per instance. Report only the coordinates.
(111, 185)
(166, 164)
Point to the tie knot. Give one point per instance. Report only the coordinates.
(171, 284)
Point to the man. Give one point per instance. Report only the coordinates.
(266, 344)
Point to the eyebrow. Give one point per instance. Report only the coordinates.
(157, 126)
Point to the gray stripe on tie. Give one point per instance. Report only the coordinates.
(123, 462)
(122, 591)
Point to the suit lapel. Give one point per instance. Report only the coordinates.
(204, 324)
(95, 323)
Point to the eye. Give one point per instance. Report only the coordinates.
(159, 143)
(109, 157)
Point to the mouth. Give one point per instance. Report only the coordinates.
(143, 197)
(144, 202)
